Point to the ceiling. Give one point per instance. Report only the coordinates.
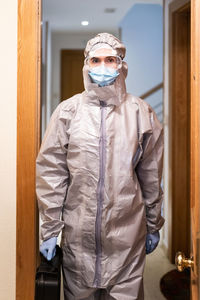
(66, 15)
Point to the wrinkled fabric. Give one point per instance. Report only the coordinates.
(105, 38)
(122, 289)
(69, 167)
(97, 46)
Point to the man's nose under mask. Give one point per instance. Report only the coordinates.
(103, 75)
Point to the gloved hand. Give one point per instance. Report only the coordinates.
(152, 241)
(48, 248)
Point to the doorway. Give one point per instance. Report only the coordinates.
(25, 184)
(71, 73)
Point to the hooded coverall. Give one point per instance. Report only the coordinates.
(98, 181)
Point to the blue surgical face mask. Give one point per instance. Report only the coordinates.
(103, 75)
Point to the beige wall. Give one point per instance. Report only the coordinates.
(8, 103)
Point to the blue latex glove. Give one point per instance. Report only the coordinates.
(152, 241)
(48, 248)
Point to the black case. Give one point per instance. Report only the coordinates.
(47, 279)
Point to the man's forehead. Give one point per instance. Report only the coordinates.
(103, 52)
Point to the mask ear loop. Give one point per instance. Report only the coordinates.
(86, 60)
(119, 66)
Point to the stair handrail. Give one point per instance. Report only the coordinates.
(152, 91)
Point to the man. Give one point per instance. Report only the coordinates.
(98, 181)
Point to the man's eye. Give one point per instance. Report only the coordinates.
(111, 60)
(94, 60)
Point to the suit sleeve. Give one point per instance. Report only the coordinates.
(52, 176)
(149, 172)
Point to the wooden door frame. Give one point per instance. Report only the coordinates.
(195, 146)
(194, 138)
(176, 9)
(28, 139)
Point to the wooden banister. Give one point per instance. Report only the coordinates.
(152, 91)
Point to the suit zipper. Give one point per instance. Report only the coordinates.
(139, 150)
(100, 196)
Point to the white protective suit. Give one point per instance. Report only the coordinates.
(98, 180)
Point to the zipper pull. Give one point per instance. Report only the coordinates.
(102, 103)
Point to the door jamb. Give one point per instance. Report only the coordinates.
(195, 146)
(172, 7)
(28, 140)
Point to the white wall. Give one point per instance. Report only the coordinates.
(167, 198)
(46, 75)
(8, 79)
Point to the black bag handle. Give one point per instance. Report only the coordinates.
(53, 265)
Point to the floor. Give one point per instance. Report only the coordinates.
(156, 266)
